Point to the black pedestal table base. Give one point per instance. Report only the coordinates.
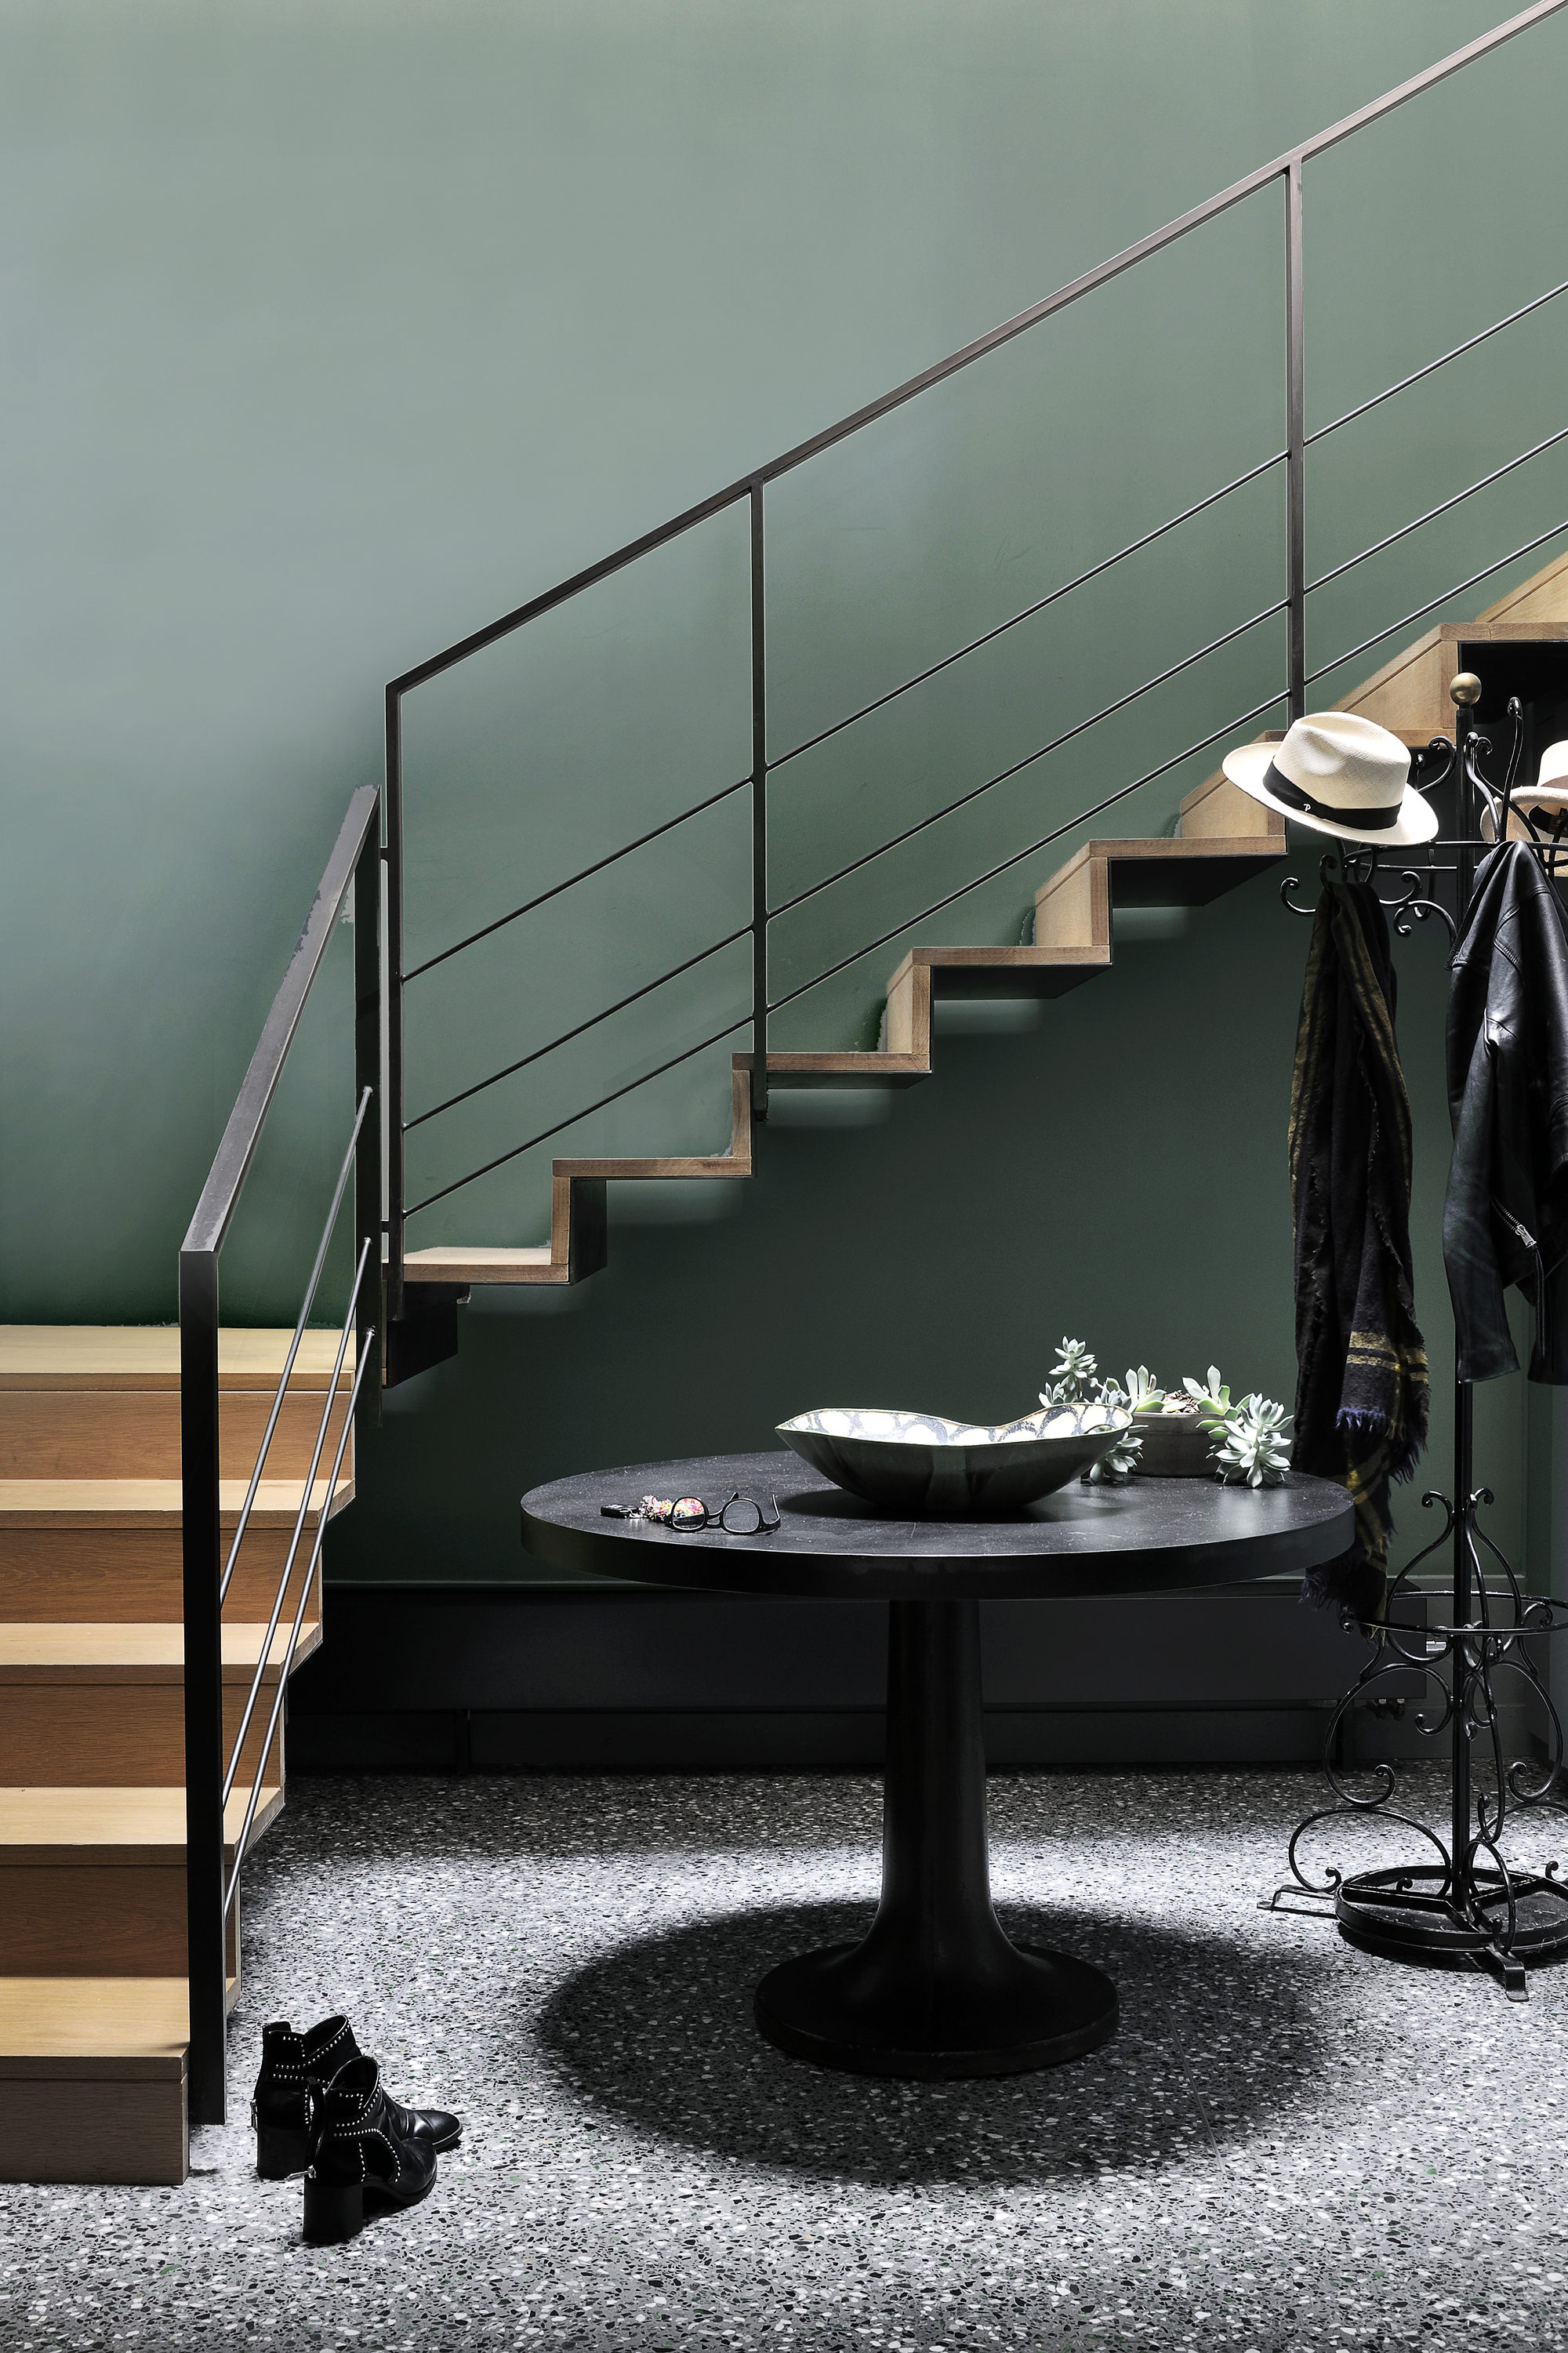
(935, 1990)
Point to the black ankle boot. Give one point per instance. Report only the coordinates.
(293, 2064)
(363, 2160)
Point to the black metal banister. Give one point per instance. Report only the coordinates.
(355, 861)
(1132, 547)
(1432, 602)
(1080, 817)
(1432, 514)
(306, 1492)
(581, 875)
(231, 1882)
(232, 1163)
(1250, 184)
(1433, 366)
(566, 1036)
(546, 1133)
(1080, 728)
(293, 1350)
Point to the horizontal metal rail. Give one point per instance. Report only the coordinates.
(232, 1882)
(222, 1189)
(1432, 366)
(1101, 275)
(306, 1492)
(741, 1022)
(1432, 604)
(1447, 507)
(1054, 596)
(581, 876)
(1080, 728)
(567, 1035)
(250, 1493)
(1017, 857)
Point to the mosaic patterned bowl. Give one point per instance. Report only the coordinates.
(919, 1464)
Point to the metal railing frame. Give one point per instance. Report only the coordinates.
(210, 1771)
(1287, 170)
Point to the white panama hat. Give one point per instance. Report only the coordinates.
(1549, 793)
(1338, 774)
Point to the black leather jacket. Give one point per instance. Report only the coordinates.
(1505, 1219)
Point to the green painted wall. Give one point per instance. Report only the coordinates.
(335, 330)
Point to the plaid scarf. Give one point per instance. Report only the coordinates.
(1362, 1386)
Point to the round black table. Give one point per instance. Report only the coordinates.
(935, 1989)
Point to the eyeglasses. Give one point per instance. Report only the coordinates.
(741, 1516)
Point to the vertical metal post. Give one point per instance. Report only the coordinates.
(759, 816)
(367, 1073)
(1296, 447)
(201, 1555)
(396, 1194)
(1464, 1395)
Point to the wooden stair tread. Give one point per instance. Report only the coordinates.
(152, 1502)
(147, 1356)
(35, 1651)
(111, 1826)
(103, 2029)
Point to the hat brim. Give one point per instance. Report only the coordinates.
(1417, 820)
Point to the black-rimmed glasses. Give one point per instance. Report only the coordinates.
(742, 1515)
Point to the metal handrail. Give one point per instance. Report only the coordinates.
(306, 1492)
(1080, 728)
(1432, 602)
(1250, 184)
(611, 859)
(231, 1883)
(546, 1133)
(1082, 816)
(566, 1036)
(1432, 366)
(1433, 512)
(310, 1300)
(1133, 547)
(356, 859)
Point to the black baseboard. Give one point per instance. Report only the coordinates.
(537, 1678)
(710, 1740)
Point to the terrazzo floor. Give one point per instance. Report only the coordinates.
(1287, 2143)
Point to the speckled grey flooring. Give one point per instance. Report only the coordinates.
(1287, 2143)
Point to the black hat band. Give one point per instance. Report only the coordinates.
(1369, 820)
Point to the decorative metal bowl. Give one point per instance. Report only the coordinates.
(926, 1466)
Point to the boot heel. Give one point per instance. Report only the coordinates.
(280, 2151)
(333, 2210)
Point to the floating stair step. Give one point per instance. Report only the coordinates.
(93, 2071)
(103, 1706)
(102, 1549)
(578, 1242)
(94, 1879)
(85, 1401)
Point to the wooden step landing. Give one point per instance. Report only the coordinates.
(103, 1706)
(93, 2071)
(93, 1881)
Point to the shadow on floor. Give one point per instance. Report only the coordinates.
(1218, 2042)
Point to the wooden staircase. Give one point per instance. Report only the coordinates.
(93, 2008)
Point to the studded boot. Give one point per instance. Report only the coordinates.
(293, 2064)
(363, 2160)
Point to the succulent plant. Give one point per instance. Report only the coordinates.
(1143, 1392)
(1253, 1442)
(1071, 1379)
(1212, 1402)
(1124, 1456)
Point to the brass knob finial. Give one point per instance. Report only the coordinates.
(1465, 687)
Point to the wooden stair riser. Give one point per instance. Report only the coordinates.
(136, 1575)
(75, 2131)
(129, 1434)
(118, 1735)
(124, 1920)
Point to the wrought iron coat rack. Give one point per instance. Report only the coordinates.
(1462, 1905)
